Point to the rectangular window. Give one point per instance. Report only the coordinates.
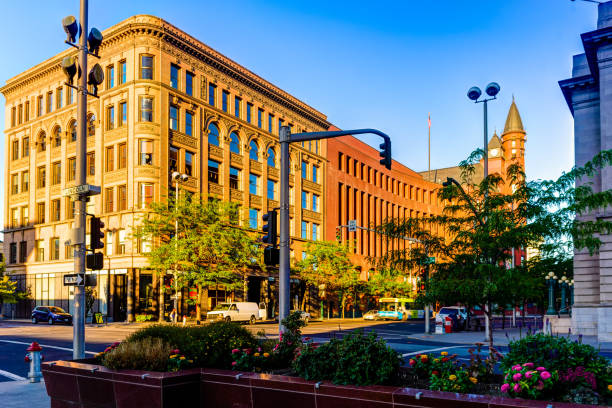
(40, 250)
(55, 244)
(315, 232)
(280, 124)
(69, 208)
(110, 76)
(56, 173)
(122, 114)
(253, 218)
(25, 181)
(13, 253)
(145, 195)
(122, 73)
(71, 168)
(59, 98)
(315, 174)
(146, 109)
(49, 102)
(271, 189)
(55, 210)
(224, 100)
(41, 177)
(108, 246)
(189, 163)
(203, 87)
(173, 158)
(174, 124)
(253, 184)
(39, 106)
(13, 115)
(304, 199)
(110, 117)
(146, 152)
(109, 197)
(25, 147)
(259, 118)
(110, 158)
(213, 171)
(121, 239)
(122, 153)
(234, 178)
(212, 93)
(146, 67)
(20, 114)
(249, 108)
(304, 230)
(189, 83)
(14, 217)
(270, 122)
(122, 198)
(15, 183)
(189, 123)
(27, 111)
(174, 76)
(15, 150)
(70, 96)
(91, 163)
(237, 104)
(40, 213)
(25, 215)
(315, 203)
(304, 170)
(23, 251)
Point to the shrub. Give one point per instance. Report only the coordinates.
(150, 354)
(530, 381)
(443, 372)
(356, 359)
(144, 318)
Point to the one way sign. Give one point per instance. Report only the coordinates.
(75, 279)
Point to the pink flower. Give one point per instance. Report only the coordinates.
(234, 351)
(505, 388)
(176, 351)
(529, 374)
(517, 388)
(259, 349)
(517, 377)
(517, 368)
(541, 369)
(545, 375)
(540, 386)
(234, 363)
(530, 365)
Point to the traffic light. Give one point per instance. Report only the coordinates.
(95, 230)
(269, 227)
(385, 153)
(95, 261)
(339, 233)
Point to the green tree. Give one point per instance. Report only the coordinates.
(210, 248)
(473, 237)
(8, 289)
(328, 263)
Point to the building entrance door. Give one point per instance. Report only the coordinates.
(120, 299)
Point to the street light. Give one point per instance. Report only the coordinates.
(473, 94)
(551, 279)
(177, 177)
(563, 308)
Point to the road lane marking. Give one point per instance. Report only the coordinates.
(434, 349)
(12, 376)
(45, 345)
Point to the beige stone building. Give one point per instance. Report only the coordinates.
(168, 103)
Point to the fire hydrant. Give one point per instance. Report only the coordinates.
(35, 358)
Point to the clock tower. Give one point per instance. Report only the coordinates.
(513, 141)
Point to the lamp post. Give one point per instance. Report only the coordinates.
(178, 178)
(474, 93)
(551, 279)
(563, 308)
(571, 289)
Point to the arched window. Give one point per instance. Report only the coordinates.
(213, 134)
(253, 151)
(72, 129)
(234, 143)
(41, 142)
(271, 157)
(91, 124)
(57, 136)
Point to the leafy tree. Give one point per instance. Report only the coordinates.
(480, 224)
(328, 263)
(210, 248)
(8, 289)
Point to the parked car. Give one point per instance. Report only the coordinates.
(371, 315)
(51, 315)
(305, 315)
(457, 313)
(237, 312)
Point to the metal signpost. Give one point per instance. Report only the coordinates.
(285, 139)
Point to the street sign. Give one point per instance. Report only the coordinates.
(352, 225)
(85, 189)
(75, 279)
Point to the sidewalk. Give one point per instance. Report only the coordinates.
(23, 394)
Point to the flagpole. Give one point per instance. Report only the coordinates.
(429, 146)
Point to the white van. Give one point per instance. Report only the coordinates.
(237, 312)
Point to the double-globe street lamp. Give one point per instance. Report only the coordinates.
(474, 93)
(178, 178)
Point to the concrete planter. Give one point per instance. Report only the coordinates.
(82, 384)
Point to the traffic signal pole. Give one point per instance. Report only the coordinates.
(286, 137)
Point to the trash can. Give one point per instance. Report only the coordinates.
(448, 325)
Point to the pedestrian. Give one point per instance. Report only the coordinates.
(173, 315)
(184, 320)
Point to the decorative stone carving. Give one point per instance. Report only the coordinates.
(236, 159)
(183, 139)
(215, 151)
(235, 195)
(115, 176)
(273, 204)
(147, 128)
(311, 215)
(148, 171)
(255, 165)
(215, 189)
(191, 182)
(274, 172)
(255, 200)
(309, 185)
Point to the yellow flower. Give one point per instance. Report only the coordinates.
(610, 387)
(190, 361)
(173, 356)
(266, 355)
(473, 380)
(444, 353)
(256, 355)
(436, 360)
(182, 358)
(452, 377)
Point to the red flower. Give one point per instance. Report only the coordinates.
(435, 372)
(411, 362)
(444, 359)
(175, 351)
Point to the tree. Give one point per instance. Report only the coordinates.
(8, 289)
(328, 263)
(473, 237)
(210, 249)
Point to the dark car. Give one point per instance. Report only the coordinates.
(51, 315)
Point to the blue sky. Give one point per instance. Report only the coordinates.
(382, 64)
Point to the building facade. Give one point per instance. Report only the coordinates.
(588, 97)
(168, 103)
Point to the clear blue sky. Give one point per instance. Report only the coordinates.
(370, 64)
